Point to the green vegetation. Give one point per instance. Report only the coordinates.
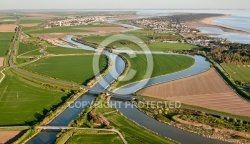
(156, 44)
(193, 118)
(164, 46)
(162, 64)
(33, 53)
(22, 60)
(71, 68)
(62, 50)
(5, 41)
(95, 138)
(22, 103)
(218, 122)
(238, 72)
(132, 132)
(30, 21)
(23, 48)
(63, 29)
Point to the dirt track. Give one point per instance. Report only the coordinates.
(7, 27)
(205, 90)
(1, 61)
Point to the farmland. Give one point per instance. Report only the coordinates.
(162, 64)
(24, 48)
(22, 103)
(7, 136)
(66, 29)
(96, 138)
(238, 72)
(5, 40)
(62, 50)
(8, 27)
(71, 68)
(206, 90)
(133, 132)
(30, 21)
(146, 36)
(1, 62)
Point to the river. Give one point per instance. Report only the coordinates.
(132, 113)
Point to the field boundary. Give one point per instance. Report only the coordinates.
(3, 75)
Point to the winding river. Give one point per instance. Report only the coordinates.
(132, 113)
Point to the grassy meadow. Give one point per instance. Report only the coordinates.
(5, 41)
(238, 72)
(95, 138)
(162, 64)
(30, 21)
(71, 68)
(145, 36)
(62, 50)
(21, 103)
(24, 48)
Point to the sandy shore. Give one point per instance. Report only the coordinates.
(208, 22)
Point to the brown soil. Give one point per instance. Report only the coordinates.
(206, 90)
(6, 136)
(7, 27)
(103, 29)
(30, 25)
(1, 61)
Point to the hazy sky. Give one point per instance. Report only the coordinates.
(122, 4)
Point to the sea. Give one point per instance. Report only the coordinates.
(239, 19)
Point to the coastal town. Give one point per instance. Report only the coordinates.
(74, 21)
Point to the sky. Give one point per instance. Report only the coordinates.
(125, 4)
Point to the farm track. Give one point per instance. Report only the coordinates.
(206, 90)
(3, 76)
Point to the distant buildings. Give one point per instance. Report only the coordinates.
(77, 20)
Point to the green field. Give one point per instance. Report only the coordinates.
(238, 72)
(24, 48)
(30, 21)
(71, 68)
(6, 35)
(145, 36)
(62, 50)
(5, 40)
(162, 64)
(32, 53)
(22, 60)
(63, 29)
(133, 133)
(95, 139)
(21, 103)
